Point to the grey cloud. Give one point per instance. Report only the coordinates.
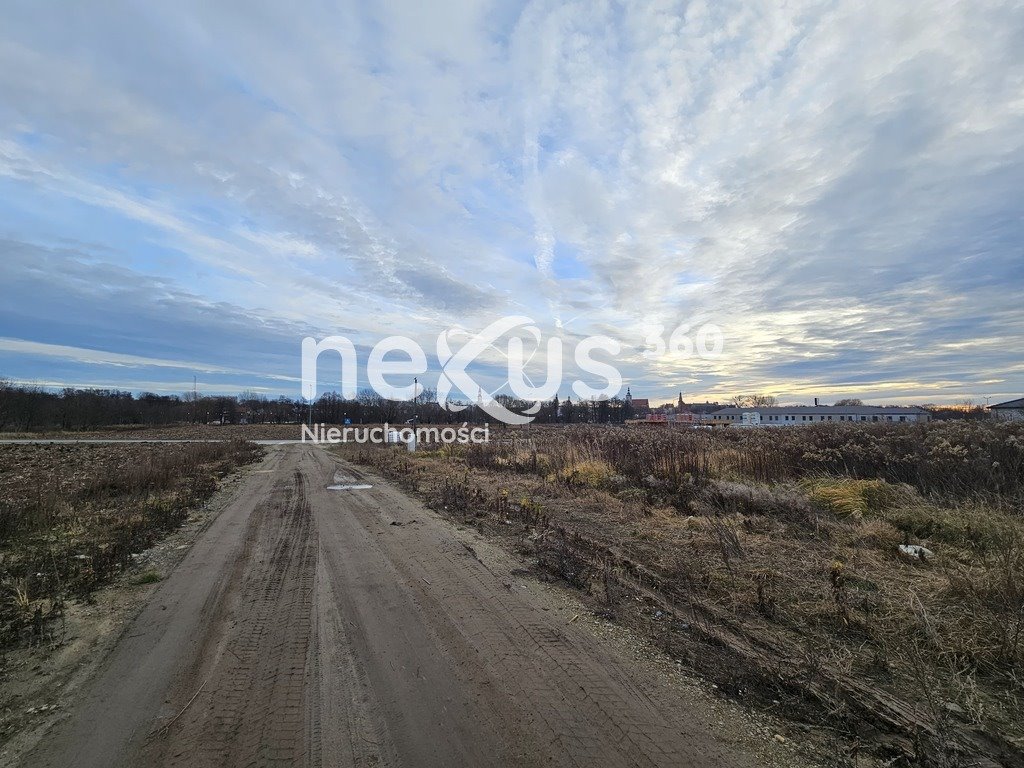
(841, 181)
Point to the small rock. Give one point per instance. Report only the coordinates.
(916, 552)
(780, 738)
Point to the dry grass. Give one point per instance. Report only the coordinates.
(72, 516)
(769, 559)
(289, 431)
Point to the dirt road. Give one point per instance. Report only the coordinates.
(334, 627)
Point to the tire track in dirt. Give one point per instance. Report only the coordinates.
(533, 690)
(583, 710)
(250, 710)
(349, 728)
(354, 628)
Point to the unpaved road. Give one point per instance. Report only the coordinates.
(319, 627)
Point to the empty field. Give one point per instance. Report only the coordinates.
(311, 626)
(771, 561)
(72, 516)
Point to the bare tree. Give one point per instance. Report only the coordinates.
(754, 401)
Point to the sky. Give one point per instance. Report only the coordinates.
(189, 189)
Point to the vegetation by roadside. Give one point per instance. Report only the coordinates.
(211, 432)
(868, 580)
(73, 516)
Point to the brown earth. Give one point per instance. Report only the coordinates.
(311, 626)
(168, 432)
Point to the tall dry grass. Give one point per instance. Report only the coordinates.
(964, 460)
(786, 542)
(72, 516)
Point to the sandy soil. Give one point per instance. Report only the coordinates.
(309, 626)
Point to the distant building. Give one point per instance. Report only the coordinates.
(639, 405)
(791, 416)
(667, 417)
(702, 408)
(1011, 410)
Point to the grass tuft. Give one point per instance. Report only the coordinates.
(779, 550)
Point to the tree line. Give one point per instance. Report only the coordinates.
(37, 409)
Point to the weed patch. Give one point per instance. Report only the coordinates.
(769, 560)
(72, 516)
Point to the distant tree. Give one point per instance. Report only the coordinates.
(8, 393)
(27, 408)
(753, 401)
(960, 411)
(850, 401)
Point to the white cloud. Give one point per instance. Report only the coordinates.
(103, 357)
(829, 182)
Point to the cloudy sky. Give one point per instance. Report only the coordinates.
(189, 189)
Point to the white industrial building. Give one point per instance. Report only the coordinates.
(791, 416)
(1011, 410)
